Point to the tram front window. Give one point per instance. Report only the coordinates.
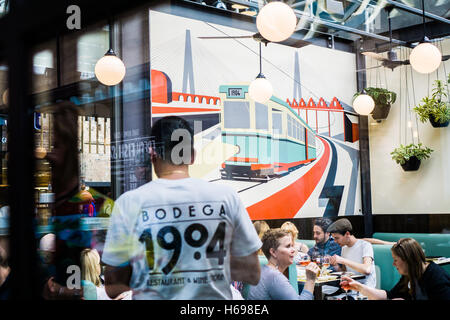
(236, 114)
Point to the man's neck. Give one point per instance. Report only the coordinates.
(172, 172)
(352, 241)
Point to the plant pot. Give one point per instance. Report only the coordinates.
(412, 164)
(437, 124)
(381, 111)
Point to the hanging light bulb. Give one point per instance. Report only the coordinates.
(425, 58)
(276, 21)
(110, 70)
(260, 89)
(5, 97)
(363, 104)
(40, 152)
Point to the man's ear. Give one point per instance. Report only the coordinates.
(153, 154)
(193, 155)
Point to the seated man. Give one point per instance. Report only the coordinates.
(357, 254)
(325, 244)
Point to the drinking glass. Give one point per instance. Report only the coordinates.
(325, 264)
(344, 287)
(304, 260)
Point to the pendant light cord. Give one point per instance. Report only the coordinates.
(111, 32)
(260, 59)
(423, 20)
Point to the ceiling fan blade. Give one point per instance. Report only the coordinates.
(296, 43)
(445, 58)
(227, 37)
(374, 55)
(360, 70)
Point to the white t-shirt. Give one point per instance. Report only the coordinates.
(178, 236)
(356, 253)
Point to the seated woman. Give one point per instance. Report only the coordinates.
(421, 280)
(90, 278)
(273, 285)
(292, 229)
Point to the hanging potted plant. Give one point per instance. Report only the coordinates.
(436, 107)
(409, 156)
(383, 99)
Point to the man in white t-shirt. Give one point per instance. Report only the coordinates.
(356, 255)
(178, 237)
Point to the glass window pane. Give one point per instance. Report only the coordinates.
(236, 114)
(261, 115)
(277, 122)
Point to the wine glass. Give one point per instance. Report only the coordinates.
(304, 260)
(325, 263)
(346, 288)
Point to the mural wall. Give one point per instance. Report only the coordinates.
(295, 156)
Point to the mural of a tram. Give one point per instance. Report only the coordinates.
(271, 139)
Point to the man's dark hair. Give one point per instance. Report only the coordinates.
(162, 133)
(340, 226)
(322, 223)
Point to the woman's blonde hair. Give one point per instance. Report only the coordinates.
(90, 261)
(291, 228)
(261, 227)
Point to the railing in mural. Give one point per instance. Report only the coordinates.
(187, 97)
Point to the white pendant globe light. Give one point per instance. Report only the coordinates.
(260, 89)
(425, 58)
(276, 21)
(110, 70)
(363, 104)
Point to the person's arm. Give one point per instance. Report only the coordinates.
(311, 273)
(371, 293)
(364, 268)
(117, 280)
(246, 269)
(378, 241)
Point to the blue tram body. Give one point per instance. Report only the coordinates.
(271, 139)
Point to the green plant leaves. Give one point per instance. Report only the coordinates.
(404, 153)
(437, 105)
(380, 96)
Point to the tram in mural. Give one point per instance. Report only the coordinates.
(272, 138)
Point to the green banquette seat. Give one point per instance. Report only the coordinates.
(434, 244)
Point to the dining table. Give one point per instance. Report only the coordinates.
(441, 261)
(333, 279)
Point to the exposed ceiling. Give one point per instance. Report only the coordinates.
(351, 20)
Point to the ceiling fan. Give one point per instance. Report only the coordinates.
(391, 61)
(292, 42)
